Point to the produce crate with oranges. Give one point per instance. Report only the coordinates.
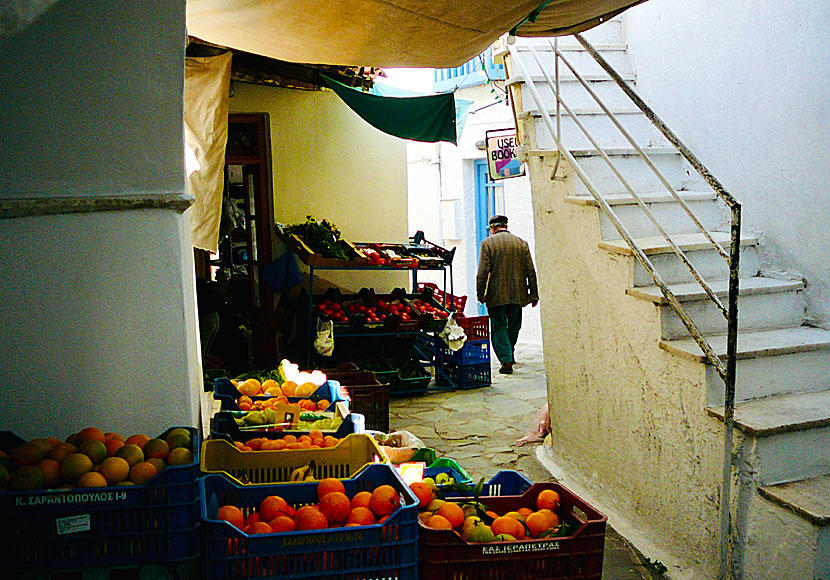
(231, 425)
(252, 394)
(363, 527)
(545, 532)
(98, 500)
(276, 461)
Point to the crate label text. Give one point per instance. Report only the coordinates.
(73, 524)
(323, 539)
(64, 498)
(519, 548)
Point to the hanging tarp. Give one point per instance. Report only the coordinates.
(386, 33)
(206, 93)
(429, 118)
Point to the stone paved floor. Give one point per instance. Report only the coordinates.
(478, 428)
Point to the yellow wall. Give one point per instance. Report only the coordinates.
(330, 163)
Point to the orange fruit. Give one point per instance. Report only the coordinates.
(142, 472)
(296, 445)
(308, 405)
(92, 479)
(271, 445)
(61, 451)
(113, 435)
(112, 444)
(27, 478)
(288, 388)
(91, 433)
(548, 499)
(114, 469)
(537, 523)
(180, 456)
(386, 499)
(315, 434)
(232, 514)
(250, 519)
(330, 441)
(75, 466)
(310, 518)
(302, 438)
(328, 485)
(323, 404)
(525, 511)
(249, 387)
(156, 448)
(283, 524)
(43, 443)
(361, 516)
(361, 499)
(290, 438)
(273, 506)
(159, 464)
(453, 513)
(138, 439)
(94, 449)
(256, 443)
(438, 522)
(336, 506)
(423, 492)
(51, 472)
(506, 525)
(131, 452)
(28, 453)
(258, 528)
(554, 519)
(179, 437)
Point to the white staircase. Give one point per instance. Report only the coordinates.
(782, 411)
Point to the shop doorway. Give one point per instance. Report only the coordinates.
(489, 201)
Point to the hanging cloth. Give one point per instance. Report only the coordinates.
(429, 118)
(206, 88)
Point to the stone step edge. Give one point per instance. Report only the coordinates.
(692, 291)
(649, 197)
(808, 498)
(686, 242)
(813, 339)
(778, 414)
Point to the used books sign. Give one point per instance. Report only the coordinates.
(501, 154)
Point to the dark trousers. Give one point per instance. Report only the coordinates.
(505, 323)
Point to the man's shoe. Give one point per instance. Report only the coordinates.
(506, 369)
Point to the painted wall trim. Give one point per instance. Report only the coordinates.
(15, 208)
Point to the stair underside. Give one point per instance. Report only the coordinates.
(686, 242)
(779, 413)
(810, 498)
(692, 291)
(755, 344)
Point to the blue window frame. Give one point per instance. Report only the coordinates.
(469, 74)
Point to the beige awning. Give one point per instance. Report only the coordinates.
(386, 33)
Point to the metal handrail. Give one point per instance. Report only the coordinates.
(726, 370)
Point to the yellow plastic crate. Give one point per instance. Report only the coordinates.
(345, 460)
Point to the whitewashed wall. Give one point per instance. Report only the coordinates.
(96, 309)
(746, 86)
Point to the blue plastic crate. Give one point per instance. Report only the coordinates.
(66, 530)
(464, 376)
(228, 395)
(505, 482)
(380, 551)
(474, 352)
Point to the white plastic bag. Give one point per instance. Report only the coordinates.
(452, 334)
(324, 343)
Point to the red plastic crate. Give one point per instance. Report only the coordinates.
(475, 327)
(443, 555)
(367, 396)
(455, 303)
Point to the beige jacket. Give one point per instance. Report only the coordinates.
(506, 274)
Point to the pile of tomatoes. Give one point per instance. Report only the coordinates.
(372, 313)
(426, 308)
(332, 309)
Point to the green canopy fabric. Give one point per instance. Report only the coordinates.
(429, 118)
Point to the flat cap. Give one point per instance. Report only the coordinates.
(498, 220)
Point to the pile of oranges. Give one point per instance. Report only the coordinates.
(92, 458)
(334, 509)
(314, 440)
(274, 394)
(525, 523)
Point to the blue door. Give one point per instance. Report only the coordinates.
(488, 193)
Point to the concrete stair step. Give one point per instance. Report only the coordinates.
(780, 414)
(762, 343)
(649, 197)
(573, 93)
(809, 498)
(791, 435)
(577, 56)
(763, 303)
(600, 128)
(658, 245)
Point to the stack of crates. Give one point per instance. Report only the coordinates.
(468, 367)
